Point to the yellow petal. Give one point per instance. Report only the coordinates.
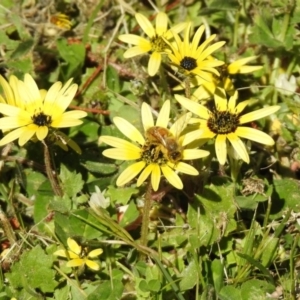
(232, 102)
(118, 143)
(221, 148)
(122, 154)
(145, 24)
(161, 23)
(92, 265)
(32, 88)
(130, 172)
(42, 132)
(9, 110)
(145, 174)
(27, 134)
(164, 114)
(95, 252)
(132, 39)
(193, 106)
(77, 262)
(147, 117)
(129, 130)
(172, 177)
(258, 114)
(254, 135)
(220, 99)
(154, 63)
(196, 38)
(73, 246)
(155, 177)
(135, 51)
(239, 147)
(61, 252)
(194, 154)
(186, 169)
(9, 95)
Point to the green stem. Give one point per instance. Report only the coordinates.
(187, 83)
(8, 231)
(146, 215)
(52, 176)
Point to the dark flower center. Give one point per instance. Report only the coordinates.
(223, 122)
(41, 119)
(188, 63)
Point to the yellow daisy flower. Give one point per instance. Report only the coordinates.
(224, 122)
(207, 88)
(30, 112)
(78, 256)
(155, 44)
(159, 150)
(192, 59)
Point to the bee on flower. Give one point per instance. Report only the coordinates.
(155, 43)
(157, 152)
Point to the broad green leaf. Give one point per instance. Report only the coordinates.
(229, 293)
(189, 276)
(36, 269)
(72, 183)
(121, 195)
(255, 289)
(217, 269)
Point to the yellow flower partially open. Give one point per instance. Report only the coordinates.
(155, 44)
(190, 58)
(30, 112)
(78, 257)
(224, 122)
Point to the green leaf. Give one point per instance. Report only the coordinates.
(121, 195)
(72, 183)
(211, 214)
(109, 289)
(286, 196)
(255, 289)
(23, 48)
(154, 285)
(217, 274)
(81, 223)
(270, 249)
(246, 202)
(20, 66)
(189, 276)
(101, 168)
(112, 79)
(73, 54)
(257, 264)
(229, 293)
(36, 269)
(131, 214)
(62, 293)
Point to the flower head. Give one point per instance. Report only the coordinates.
(30, 112)
(192, 59)
(155, 44)
(78, 256)
(159, 150)
(224, 122)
